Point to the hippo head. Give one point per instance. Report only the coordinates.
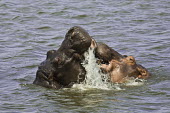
(63, 66)
(77, 39)
(47, 70)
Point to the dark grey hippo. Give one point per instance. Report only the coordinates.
(62, 67)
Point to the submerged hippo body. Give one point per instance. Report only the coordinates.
(63, 67)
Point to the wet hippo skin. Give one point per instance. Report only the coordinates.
(120, 71)
(105, 53)
(62, 67)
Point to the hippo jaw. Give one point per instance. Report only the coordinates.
(47, 69)
(44, 75)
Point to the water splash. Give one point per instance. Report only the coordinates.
(96, 79)
(135, 82)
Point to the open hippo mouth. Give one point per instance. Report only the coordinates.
(106, 54)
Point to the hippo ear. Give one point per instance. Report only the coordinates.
(50, 54)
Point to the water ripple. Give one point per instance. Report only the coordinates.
(28, 29)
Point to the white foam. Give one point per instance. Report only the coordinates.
(93, 75)
(135, 82)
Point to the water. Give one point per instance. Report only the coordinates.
(94, 78)
(29, 28)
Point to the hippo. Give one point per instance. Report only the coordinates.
(119, 67)
(62, 67)
(121, 71)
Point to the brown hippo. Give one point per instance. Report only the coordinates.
(120, 71)
(119, 67)
(63, 67)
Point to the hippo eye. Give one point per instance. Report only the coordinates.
(104, 62)
(125, 56)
